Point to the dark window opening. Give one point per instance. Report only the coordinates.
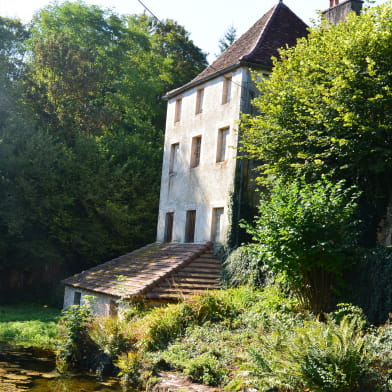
(113, 309)
(190, 225)
(77, 298)
(169, 227)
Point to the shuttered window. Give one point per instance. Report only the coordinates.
(199, 100)
(190, 225)
(195, 151)
(169, 226)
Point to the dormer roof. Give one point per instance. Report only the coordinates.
(275, 29)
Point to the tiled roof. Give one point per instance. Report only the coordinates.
(153, 271)
(275, 29)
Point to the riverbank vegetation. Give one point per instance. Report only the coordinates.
(29, 325)
(234, 339)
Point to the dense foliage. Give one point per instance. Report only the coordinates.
(369, 283)
(246, 338)
(306, 233)
(327, 110)
(81, 131)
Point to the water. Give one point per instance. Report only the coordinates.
(29, 369)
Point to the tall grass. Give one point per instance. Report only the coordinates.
(29, 325)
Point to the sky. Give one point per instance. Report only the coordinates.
(205, 20)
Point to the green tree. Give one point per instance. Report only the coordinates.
(327, 108)
(13, 35)
(80, 154)
(228, 38)
(306, 233)
(89, 72)
(182, 59)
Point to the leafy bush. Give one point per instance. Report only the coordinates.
(307, 232)
(112, 336)
(244, 266)
(163, 325)
(203, 353)
(381, 365)
(206, 369)
(322, 357)
(129, 364)
(74, 338)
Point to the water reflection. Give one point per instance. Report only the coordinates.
(33, 370)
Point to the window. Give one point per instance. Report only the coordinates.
(226, 95)
(199, 100)
(77, 298)
(190, 224)
(113, 309)
(195, 151)
(174, 149)
(252, 109)
(177, 114)
(216, 225)
(221, 152)
(169, 227)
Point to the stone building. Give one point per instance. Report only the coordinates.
(204, 188)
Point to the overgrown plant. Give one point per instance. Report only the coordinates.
(317, 357)
(74, 336)
(307, 232)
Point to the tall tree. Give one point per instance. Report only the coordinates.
(80, 155)
(228, 39)
(88, 72)
(183, 60)
(327, 109)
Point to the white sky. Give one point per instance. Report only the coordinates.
(206, 20)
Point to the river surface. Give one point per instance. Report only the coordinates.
(29, 369)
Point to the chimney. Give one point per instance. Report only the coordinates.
(338, 11)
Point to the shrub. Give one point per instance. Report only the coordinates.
(322, 357)
(130, 365)
(307, 232)
(380, 377)
(203, 353)
(73, 336)
(244, 266)
(112, 336)
(163, 325)
(205, 369)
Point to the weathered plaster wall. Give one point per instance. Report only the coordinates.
(210, 184)
(101, 303)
